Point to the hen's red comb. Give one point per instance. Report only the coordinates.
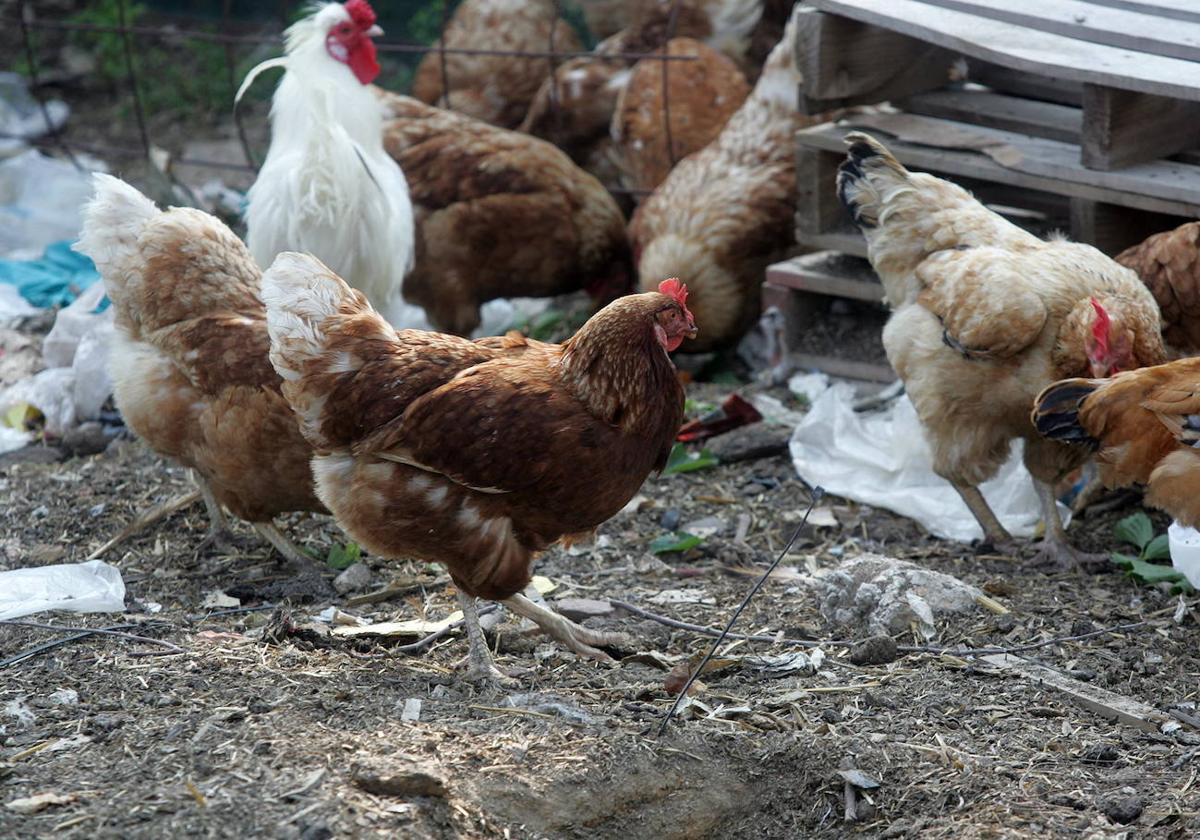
(361, 13)
(673, 288)
(1101, 328)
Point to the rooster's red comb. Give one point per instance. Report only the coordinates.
(674, 289)
(361, 13)
(1100, 329)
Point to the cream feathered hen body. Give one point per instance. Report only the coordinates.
(985, 315)
(327, 186)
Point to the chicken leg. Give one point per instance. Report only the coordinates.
(480, 667)
(219, 533)
(993, 531)
(575, 637)
(1056, 551)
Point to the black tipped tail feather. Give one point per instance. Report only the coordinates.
(1056, 411)
(867, 165)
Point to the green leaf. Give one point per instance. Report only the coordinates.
(543, 326)
(681, 461)
(681, 541)
(343, 556)
(1157, 549)
(1154, 572)
(1137, 530)
(1122, 559)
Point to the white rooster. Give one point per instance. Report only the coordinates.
(327, 186)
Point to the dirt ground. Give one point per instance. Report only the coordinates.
(256, 724)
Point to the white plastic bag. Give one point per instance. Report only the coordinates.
(71, 324)
(882, 459)
(89, 587)
(40, 201)
(52, 392)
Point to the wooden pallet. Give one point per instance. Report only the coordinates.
(1069, 115)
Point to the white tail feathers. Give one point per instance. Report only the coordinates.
(113, 222)
(300, 293)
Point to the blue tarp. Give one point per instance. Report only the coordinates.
(55, 280)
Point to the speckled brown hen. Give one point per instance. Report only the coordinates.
(727, 211)
(494, 88)
(702, 93)
(984, 316)
(189, 359)
(1169, 265)
(480, 454)
(499, 214)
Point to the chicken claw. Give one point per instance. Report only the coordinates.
(1058, 555)
(581, 640)
(480, 667)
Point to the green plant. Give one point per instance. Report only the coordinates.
(681, 460)
(343, 556)
(1137, 530)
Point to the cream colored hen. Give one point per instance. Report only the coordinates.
(985, 315)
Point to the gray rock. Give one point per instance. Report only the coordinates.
(410, 779)
(579, 609)
(353, 579)
(1123, 809)
(887, 596)
(748, 443)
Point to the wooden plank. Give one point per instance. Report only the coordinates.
(810, 273)
(1020, 83)
(845, 368)
(818, 209)
(1027, 49)
(847, 240)
(1131, 30)
(844, 63)
(1172, 9)
(1112, 229)
(1031, 162)
(980, 106)
(1121, 127)
(1108, 704)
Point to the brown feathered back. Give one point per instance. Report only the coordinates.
(498, 214)
(1169, 265)
(494, 88)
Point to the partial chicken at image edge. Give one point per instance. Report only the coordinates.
(984, 316)
(470, 453)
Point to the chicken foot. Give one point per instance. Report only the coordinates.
(993, 531)
(581, 640)
(1056, 552)
(480, 666)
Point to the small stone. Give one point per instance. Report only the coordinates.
(318, 830)
(1100, 754)
(410, 781)
(1123, 810)
(751, 442)
(670, 519)
(85, 439)
(877, 650)
(579, 609)
(831, 716)
(353, 578)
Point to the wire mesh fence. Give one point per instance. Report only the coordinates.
(132, 52)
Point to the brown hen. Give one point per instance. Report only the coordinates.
(727, 211)
(189, 360)
(477, 455)
(1144, 426)
(498, 214)
(702, 95)
(1169, 264)
(494, 88)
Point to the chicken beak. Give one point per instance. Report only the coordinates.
(693, 332)
(375, 31)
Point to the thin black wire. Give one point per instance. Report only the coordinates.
(672, 20)
(127, 42)
(231, 73)
(442, 54)
(35, 85)
(817, 494)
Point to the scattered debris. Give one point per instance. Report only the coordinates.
(580, 609)
(412, 710)
(39, 802)
(215, 599)
(412, 780)
(877, 650)
(90, 587)
(887, 595)
(353, 579)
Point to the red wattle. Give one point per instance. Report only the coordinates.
(363, 62)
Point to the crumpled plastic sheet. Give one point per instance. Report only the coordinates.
(89, 587)
(76, 384)
(56, 279)
(882, 459)
(41, 199)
